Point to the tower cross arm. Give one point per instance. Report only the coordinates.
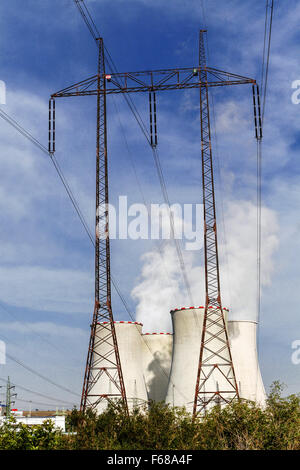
(153, 80)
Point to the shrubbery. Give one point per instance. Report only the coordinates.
(238, 426)
(15, 436)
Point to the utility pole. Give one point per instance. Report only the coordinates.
(9, 397)
(215, 357)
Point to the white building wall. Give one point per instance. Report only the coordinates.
(58, 421)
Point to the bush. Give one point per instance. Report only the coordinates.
(239, 426)
(20, 436)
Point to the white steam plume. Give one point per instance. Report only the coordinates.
(160, 287)
(239, 271)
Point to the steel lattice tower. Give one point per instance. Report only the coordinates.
(98, 363)
(215, 359)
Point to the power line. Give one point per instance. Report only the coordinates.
(258, 196)
(10, 341)
(45, 340)
(38, 402)
(128, 98)
(172, 227)
(87, 17)
(140, 123)
(158, 167)
(94, 32)
(75, 204)
(161, 180)
(258, 216)
(38, 144)
(157, 245)
(41, 147)
(38, 374)
(264, 48)
(42, 395)
(268, 56)
(162, 370)
(221, 185)
(264, 83)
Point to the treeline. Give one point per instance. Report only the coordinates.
(239, 426)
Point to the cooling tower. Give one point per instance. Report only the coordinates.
(157, 356)
(130, 350)
(242, 338)
(187, 329)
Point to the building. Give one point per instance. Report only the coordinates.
(35, 418)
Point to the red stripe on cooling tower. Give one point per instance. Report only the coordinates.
(122, 321)
(191, 308)
(157, 334)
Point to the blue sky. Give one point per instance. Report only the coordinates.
(46, 269)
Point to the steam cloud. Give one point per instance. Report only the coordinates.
(161, 288)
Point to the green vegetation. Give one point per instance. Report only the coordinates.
(15, 436)
(238, 426)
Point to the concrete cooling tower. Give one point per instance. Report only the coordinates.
(129, 337)
(242, 339)
(157, 356)
(187, 328)
(164, 366)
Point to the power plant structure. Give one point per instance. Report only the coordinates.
(207, 359)
(161, 367)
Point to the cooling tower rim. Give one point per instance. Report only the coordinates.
(146, 334)
(121, 322)
(193, 308)
(243, 321)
